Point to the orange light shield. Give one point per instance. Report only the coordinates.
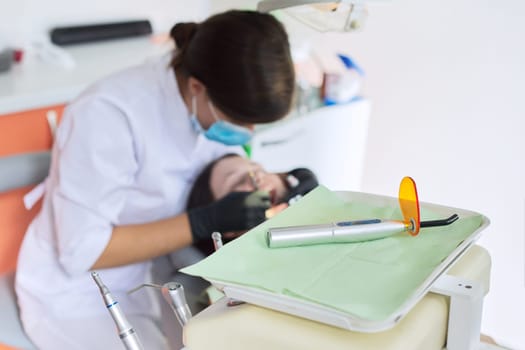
(409, 204)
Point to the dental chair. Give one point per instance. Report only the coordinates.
(24, 162)
(433, 324)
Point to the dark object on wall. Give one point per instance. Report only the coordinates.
(99, 32)
(6, 59)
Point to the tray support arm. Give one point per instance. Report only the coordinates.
(466, 306)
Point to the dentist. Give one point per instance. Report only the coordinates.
(124, 160)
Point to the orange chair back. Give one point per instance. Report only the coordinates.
(20, 133)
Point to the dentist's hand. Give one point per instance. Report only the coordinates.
(238, 211)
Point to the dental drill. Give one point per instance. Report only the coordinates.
(173, 293)
(125, 331)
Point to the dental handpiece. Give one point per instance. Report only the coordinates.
(174, 295)
(217, 240)
(217, 243)
(125, 330)
(344, 231)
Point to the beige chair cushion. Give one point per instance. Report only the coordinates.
(251, 327)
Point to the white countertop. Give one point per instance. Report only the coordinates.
(35, 83)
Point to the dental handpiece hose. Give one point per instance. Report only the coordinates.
(125, 330)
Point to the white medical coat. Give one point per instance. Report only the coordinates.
(125, 153)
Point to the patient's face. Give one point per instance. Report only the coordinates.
(232, 174)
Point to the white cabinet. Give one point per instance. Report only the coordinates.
(331, 141)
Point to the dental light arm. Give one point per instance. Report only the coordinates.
(322, 15)
(271, 5)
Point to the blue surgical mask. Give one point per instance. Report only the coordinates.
(221, 130)
(197, 127)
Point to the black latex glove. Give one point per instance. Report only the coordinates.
(300, 181)
(238, 211)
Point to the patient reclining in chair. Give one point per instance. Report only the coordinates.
(230, 173)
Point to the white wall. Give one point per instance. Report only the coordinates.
(447, 83)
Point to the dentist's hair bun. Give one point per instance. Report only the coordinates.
(182, 33)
